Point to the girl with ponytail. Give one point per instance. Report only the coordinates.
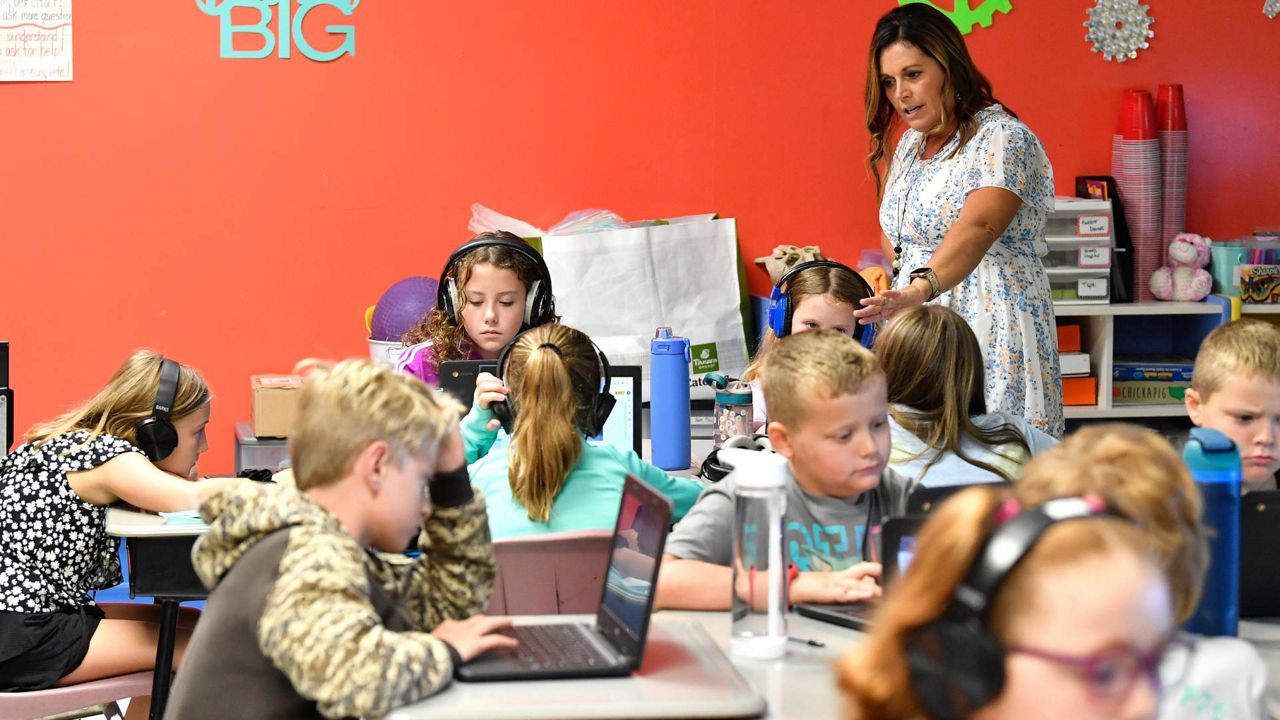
(544, 476)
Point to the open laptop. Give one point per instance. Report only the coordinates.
(1259, 537)
(614, 644)
(623, 427)
(923, 500)
(898, 540)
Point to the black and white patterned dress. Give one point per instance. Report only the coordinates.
(54, 550)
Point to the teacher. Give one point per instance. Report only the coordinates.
(963, 207)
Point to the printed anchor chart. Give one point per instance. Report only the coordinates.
(35, 40)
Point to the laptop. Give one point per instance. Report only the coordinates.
(898, 537)
(614, 644)
(923, 500)
(1259, 536)
(622, 429)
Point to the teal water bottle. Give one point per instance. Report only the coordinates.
(1214, 462)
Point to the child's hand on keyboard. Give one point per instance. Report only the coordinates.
(475, 635)
(857, 582)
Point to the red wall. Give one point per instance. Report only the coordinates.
(241, 214)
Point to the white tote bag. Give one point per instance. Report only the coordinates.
(619, 286)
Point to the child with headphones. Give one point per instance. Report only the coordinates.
(812, 295)
(942, 432)
(1011, 611)
(1136, 472)
(552, 389)
(136, 441)
(491, 288)
(829, 418)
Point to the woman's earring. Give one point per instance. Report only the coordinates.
(957, 96)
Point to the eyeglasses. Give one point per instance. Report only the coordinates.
(1112, 672)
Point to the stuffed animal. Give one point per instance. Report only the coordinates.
(1185, 278)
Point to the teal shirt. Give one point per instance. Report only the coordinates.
(590, 496)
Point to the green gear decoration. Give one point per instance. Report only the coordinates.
(965, 17)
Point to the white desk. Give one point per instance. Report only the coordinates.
(1264, 634)
(160, 568)
(801, 685)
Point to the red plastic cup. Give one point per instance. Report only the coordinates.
(1171, 111)
(1137, 116)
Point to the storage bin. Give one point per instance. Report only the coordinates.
(1069, 285)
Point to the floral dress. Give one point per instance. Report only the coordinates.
(1006, 299)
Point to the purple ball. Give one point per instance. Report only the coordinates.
(401, 306)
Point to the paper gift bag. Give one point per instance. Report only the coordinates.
(619, 286)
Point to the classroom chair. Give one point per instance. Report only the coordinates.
(41, 703)
(551, 574)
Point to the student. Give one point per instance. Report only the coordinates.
(812, 295)
(829, 418)
(1235, 389)
(1137, 473)
(542, 476)
(1045, 639)
(942, 432)
(136, 441)
(491, 288)
(303, 620)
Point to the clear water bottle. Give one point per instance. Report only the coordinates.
(669, 400)
(759, 621)
(734, 412)
(1214, 462)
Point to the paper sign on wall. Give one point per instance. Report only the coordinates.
(35, 40)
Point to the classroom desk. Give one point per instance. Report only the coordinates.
(160, 568)
(1264, 634)
(801, 685)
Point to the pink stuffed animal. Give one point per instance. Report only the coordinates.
(1186, 277)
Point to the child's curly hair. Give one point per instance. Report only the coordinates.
(449, 340)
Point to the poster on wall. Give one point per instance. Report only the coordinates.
(35, 40)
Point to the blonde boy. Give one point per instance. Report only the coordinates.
(1235, 389)
(304, 621)
(828, 413)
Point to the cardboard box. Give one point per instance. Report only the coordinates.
(1148, 392)
(1080, 391)
(1068, 338)
(275, 403)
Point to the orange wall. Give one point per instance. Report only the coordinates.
(241, 214)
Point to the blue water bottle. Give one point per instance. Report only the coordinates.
(1214, 462)
(669, 400)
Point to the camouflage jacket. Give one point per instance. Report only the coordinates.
(303, 622)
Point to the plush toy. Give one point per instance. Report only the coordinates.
(1185, 278)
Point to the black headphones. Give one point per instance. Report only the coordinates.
(956, 665)
(156, 435)
(591, 416)
(781, 308)
(540, 305)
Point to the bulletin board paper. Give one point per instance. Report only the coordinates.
(35, 40)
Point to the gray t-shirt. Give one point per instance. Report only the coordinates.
(823, 533)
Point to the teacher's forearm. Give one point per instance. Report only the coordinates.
(959, 253)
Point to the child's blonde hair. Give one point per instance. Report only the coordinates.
(839, 283)
(1247, 347)
(553, 375)
(875, 677)
(127, 399)
(343, 409)
(448, 337)
(933, 365)
(821, 364)
(1140, 476)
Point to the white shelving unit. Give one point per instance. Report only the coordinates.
(1143, 327)
(1256, 309)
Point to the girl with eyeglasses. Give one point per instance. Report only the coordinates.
(1076, 629)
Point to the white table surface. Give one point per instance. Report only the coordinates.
(1264, 634)
(800, 685)
(130, 523)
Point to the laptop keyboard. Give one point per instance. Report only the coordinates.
(555, 646)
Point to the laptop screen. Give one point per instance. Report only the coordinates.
(622, 428)
(638, 542)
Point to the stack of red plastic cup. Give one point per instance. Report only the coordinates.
(1171, 120)
(1135, 164)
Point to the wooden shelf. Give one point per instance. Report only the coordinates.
(1093, 412)
(1153, 308)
